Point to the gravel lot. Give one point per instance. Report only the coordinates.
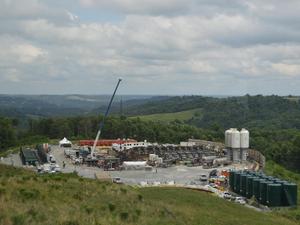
(179, 174)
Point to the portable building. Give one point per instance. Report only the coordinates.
(29, 156)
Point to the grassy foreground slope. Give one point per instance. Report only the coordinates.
(27, 198)
(169, 117)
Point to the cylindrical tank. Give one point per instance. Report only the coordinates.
(263, 176)
(270, 178)
(231, 180)
(274, 195)
(255, 187)
(228, 138)
(278, 181)
(237, 177)
(243, 179)
(235, 145)
(289, 194)
(250, 172)
(263, 186)
(244, 136)
(235, 138)
(249, 186)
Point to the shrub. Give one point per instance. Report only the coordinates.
(111, 207)
(77, 196)
(123, 190)
(2, 191)
(29, 194)
(32, 212)
(87, 209)
(18, 219)
(138, 212)
(124, 215)
(140, 197)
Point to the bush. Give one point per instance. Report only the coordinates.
(124, 215)
(111, 207)
(123, 190)
(2, 191)
(140, 197)
(77, 196)
(29, 194)
(18, 219)
(32, 212)
(87, 209)
(138, 212)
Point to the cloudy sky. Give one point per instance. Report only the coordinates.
(209, 47)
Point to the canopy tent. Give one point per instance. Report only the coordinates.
(65, 143)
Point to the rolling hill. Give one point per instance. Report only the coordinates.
(23, 107)
(28, 198)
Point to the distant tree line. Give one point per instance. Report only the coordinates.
(119, 127)
(273, 122)
(7, 133)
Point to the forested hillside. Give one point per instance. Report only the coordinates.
(248, 111)
(273, 121)
(41, 106)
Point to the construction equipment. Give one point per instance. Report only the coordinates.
(103, 119)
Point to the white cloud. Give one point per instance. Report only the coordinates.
(26, 53)
(287, 69)
(141, 6)
(12, 75)
(157, 46)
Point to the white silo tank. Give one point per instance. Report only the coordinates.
(244, 138)
(235, 145)
(227, 138)
(244, 144)
(235, 138)
(228, 143)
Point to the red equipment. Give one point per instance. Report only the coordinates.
(105, 142)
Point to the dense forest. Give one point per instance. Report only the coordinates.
(273, 122)
(247, 111)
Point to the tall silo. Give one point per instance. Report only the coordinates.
(244, 141)
(227, 138)
(235, 144)
(228, 143)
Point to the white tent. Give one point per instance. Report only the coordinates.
(65, 143)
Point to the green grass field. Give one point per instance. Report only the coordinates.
(66, 199)
(169, 117)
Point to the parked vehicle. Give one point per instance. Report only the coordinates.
(213, 173)
(117, 180)
(227, 195)
(203, 177)
(240, 200)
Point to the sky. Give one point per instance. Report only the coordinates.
(158, 47)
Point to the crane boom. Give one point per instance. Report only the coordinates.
(103, 119)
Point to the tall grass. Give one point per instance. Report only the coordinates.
(28, 198)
